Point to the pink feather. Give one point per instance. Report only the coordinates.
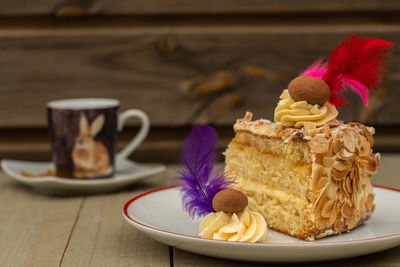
(357, 87)
(317, 69)
(357, 64)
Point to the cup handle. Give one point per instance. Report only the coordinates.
(138, 139)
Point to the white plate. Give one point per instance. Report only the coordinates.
(127, 172)
(159, 214)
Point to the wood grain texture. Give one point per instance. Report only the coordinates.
(161, 145)
(388, 258)
(39, 230)
(144, 67)
(156, 7)
(34, 228)
(183, 258)
(103, 238)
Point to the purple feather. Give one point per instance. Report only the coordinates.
(199, 182)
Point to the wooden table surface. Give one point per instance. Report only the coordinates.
(42, 230)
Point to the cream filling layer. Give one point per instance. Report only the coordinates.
(282, 196)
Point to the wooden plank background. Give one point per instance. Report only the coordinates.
(145, 67)
(44, 230)
(137, 7)
(182, 62)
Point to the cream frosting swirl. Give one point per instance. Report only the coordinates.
(245, 226)
(295, 113)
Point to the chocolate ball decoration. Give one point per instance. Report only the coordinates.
(229, 200)
(310, 89)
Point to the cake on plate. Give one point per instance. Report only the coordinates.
(306, 173)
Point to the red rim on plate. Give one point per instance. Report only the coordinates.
(126, 206)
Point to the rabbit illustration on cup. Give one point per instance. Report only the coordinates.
(90, 157)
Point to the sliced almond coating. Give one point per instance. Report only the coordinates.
(339, 175)
(371, 130)
(361, 209)
(347, 211)
(364, 148)
(331, 191)
(353, 202)
(330, 152)
(353, 174)
(368, 135)
(321, 197)
(349, 165)
(333, 215)
(355, 187)
(288, 133)
(311, 196)
(248, 116)
(362, 163)
(318, 145)
(340, 166)
(333, 123)
(338, 226)
(361, 203)
(364, 179)
(349, 140)
(316, 175)
(322, 222)
(319, 159)
(350, 222)
(336, 144)
(377, 160)
(326, 131)
(327, 162)
(279, 131)
(370, 202)
(310, 128)
(339, 206)
(341, 194)
(360, 215)
(327, 209)
(348, 186)
(344, 188)
(346, 155)
(371, 164)
(355, 171)
(323, 181)
(341, 197)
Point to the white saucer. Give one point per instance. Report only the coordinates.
(127, 172)
(159, 214)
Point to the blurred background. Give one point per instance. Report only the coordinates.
(182, 62)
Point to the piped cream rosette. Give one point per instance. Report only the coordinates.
(245, 226)
(295, 113)
(232, 220)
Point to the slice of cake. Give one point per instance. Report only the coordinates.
(306, 182)
(307, 173)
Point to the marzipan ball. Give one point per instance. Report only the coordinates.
(310, 89)
(229, 200)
